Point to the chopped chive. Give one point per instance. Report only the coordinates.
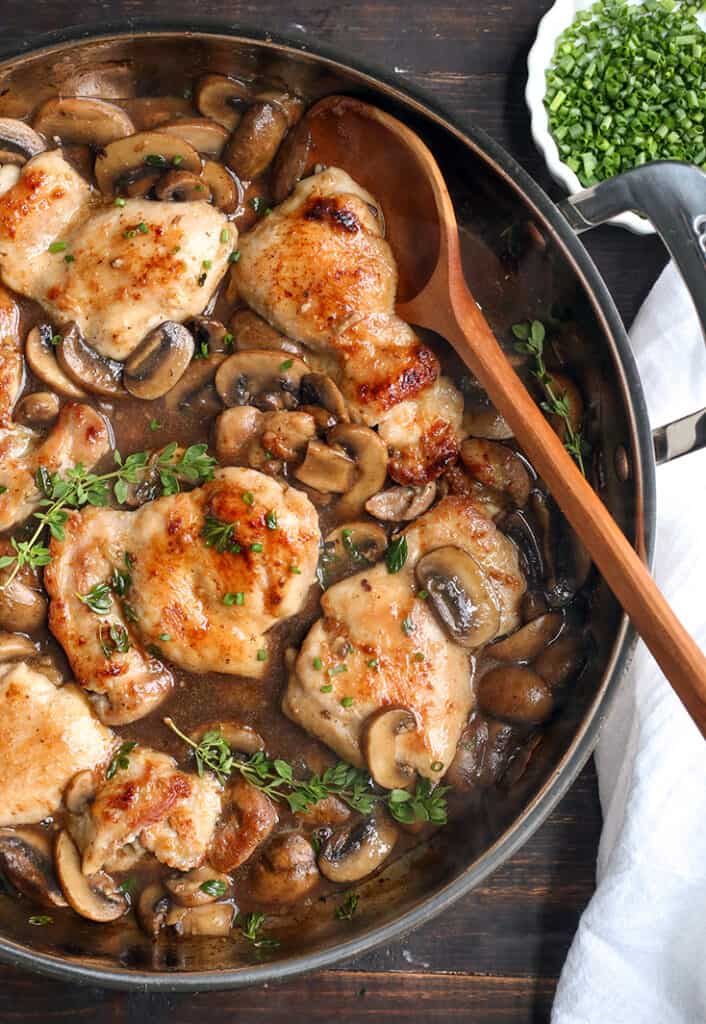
(318, 664)
(336, 670)
(295, 570)
(422, 595)
(142, 228)
(248, 497)
(164, 637)
(373, 663)
(155, 425)
(346, 702)
(257, 548)
(262, 655)
(436, 766)
(207, 264)
(177, 159)
(287, 364)
(224, 235)
(418, 656)
(155, 160)
(271, 520)
(58, 246)
(234, 256)
(326, 688)
(69, 258)
(55, 339)
(120, 201)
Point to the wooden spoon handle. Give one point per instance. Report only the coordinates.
(677, 654)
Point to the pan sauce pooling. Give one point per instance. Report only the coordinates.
(370, 573)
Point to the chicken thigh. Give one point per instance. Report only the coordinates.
(379, 645)
(318, 269)
(211, 572)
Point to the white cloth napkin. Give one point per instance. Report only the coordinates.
(639, 956)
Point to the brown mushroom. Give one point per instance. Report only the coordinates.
(196, 392)
(209, 334)
(329, 811)
(82, 120)
(235, 429)
(483, 754)
(206, 136)
(250, 331)
(149, 112)
(26, 863)
(38, 409)
(291, 160)
(87, 368)
(93, 896)
(529, 640)
(40, 353)
(486, 422)
(351, 547)
(179, 186)
(197, 887)
(369, 452)
(355, 852)
(128, 159)
(381, 748)
(496, 466)
(16, 136)
(320, 389)
(291, 105)
(265, 379)
(152, 909)
(249, 816)
(221, 98)
(516, 695)
(80, 792)
(563, 659)
(398, 504)
(284, 438)
(159, 361)
(238, 735)
(256, 140)
(566, 560)
(326, 469)
(460, 594)
(226, 191)
(141, 185)
(15, 647)
(213, 919)
(286, 870)
(23, 606)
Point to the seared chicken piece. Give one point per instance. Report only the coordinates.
(394, 650)
(47, 734)
(318, 269)
(170, 813)
(11, 365)
(243, 534)
(133, 267)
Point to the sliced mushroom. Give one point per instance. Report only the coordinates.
(329, 811)
(226, 191)
(182, 187)
(319, 389)
(398, 504)
(250, 331)
(26, 862)
(498, 467)
(256, 140)
(38, 409)
(486, 421)
(290, 163)
(40, 354)
(23, 606)
(516, 526)
(142, 185)
(15, 647)
(326, 469)
(460, 594)
(249, 816)
(9, 176)
(87, 368)
(562, 660)
(209, 335)
(235, 429)
(159, 361)
(351, 547)
(80, 792)
(284, 438)
(92, 896)
(149, 112)
(127, 159)
(152, 909)
(529, 640)
(566, 560)
(370, 455)
(223, 99)
(206, 136)
(483, 753)
(214, 920)
(196, 391)
(265, 379)
(16, 135)
(197, 887)
(291, 104)
(82, 120)
(355, 852)
(516, 695)
(238, 735)
(381, 748)
(11, 158)
(286, 871)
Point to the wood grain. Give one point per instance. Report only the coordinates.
(495, 956)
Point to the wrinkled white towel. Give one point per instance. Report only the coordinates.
(639, 956)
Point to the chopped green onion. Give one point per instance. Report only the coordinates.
(58, 246)
(318, 664)
(262, 655)
(257, 548)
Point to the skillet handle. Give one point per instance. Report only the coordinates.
(673, 196)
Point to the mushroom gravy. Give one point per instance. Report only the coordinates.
(251, 147)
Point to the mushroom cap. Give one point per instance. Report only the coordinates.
(359, 849)
(126, 159)
(203, 134)
(222, 99)
(370, 454)
(89, 896)
(182, 187)
(41, 357)
(515, 694)
(19, 136)
(256, 139)
(88, 369)
(402, 503)
(226, 191)
(326, 469)
(460, 594)
(82, 119)
(159, 361)
(245, 377)
(26, 862)
(527, 642)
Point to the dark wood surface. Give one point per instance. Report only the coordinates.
(495, 956)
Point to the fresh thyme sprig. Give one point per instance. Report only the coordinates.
(530, 342)
(250, 928)
(275, 777)
(345, 911)
(78, 487)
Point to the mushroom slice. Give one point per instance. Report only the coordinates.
(222, 99)
(206, 136)
(40, 354)
(286, 871)
(355, 852)
(369, 452)
(290, 162)
(38, 409)
(290, 104)
(380, 747)
(319, 389)
(350, 548)
(249, 816)
(250, 331)
(235, 429)
(398, 504)
(82, 120)
(486, 421)
(127, 159)
(86, 367)
(213, 919)
(20, 137)
(149, 112)
(80, 792)
(23, 605)
(197, 887)
(226, 191)
(515, 694)
(326, 469)
(528, 641)
(159, 361)
(263, 378)
(196, 392)
(209, 335)
(256, 139)
(497, 466)
(142, 185)
(561, 660)
(238, 735)
(460, 594)
(26, 862)
(91, 896)
(182, 187)
(15, 647)
(152, 909)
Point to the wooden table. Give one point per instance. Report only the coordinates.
(496, 955)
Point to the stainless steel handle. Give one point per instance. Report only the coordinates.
(672, 195)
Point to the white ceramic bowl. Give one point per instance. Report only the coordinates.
(558, 18)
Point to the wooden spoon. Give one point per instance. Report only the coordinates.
(391, 161)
